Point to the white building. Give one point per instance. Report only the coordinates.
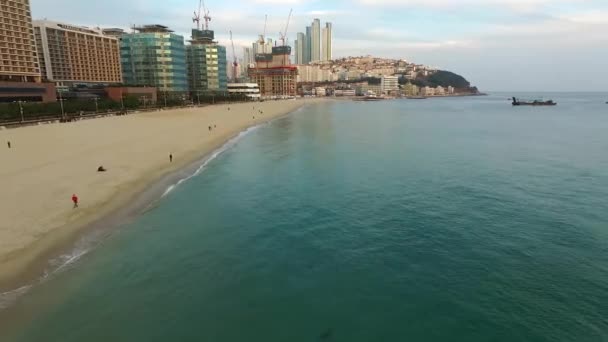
(427, 91)
(389, 84)
(251, 90)
(327, 42)
(344, 92)
(314, 73)
(320, 91)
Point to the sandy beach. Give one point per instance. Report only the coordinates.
(46, 164)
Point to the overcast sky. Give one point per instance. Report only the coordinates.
(528, 45)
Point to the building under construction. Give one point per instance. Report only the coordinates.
(205, 58)
(274, 73)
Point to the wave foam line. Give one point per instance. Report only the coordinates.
(210, 158)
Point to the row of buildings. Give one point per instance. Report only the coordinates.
(42, 59)
(38, 56)
(388, 86)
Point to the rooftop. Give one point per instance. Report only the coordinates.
(152, 28)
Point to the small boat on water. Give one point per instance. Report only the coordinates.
(517, 102)
(370, 97)
(416, 97)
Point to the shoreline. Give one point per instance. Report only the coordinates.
(27, 266)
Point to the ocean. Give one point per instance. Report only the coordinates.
(452, 219)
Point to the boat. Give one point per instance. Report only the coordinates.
(416, 97)
(517, 102)
(369, 98)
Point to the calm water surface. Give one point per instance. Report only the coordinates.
(410, 220)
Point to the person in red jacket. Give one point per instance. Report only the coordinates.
(75, 200)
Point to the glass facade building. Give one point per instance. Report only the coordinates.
(207, 67)
(155, 57)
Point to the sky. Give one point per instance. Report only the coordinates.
(498, 45)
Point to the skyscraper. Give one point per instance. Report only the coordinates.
(248, 59)
(156, 57)
(315, 40)
(301, 49)
(71, 54)
(308, 45)
(327, 42)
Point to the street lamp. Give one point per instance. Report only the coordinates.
(96, 105)
(165, 99)
(61, 103)
(21, 109)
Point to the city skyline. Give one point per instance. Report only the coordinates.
(544, 42)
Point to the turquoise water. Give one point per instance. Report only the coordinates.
(438, 220)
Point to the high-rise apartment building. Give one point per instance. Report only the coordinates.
(154, 56)
(315, 41)
(207, 64)
(248, 60)
(20, 78)
(261, 46)
(248, 56)
(18, 58)
(327, 42)
(308, 45)
(300, 49)
(70, 54)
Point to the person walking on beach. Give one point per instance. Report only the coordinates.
(170, 158)
(75, 200)
(9, 144)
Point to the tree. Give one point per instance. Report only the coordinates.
(446, 78)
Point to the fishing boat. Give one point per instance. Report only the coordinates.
(517, 102)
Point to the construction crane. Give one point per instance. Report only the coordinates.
(235, 63)
(283, 35)
(206, 16)
(197, 16)
(262, 39)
